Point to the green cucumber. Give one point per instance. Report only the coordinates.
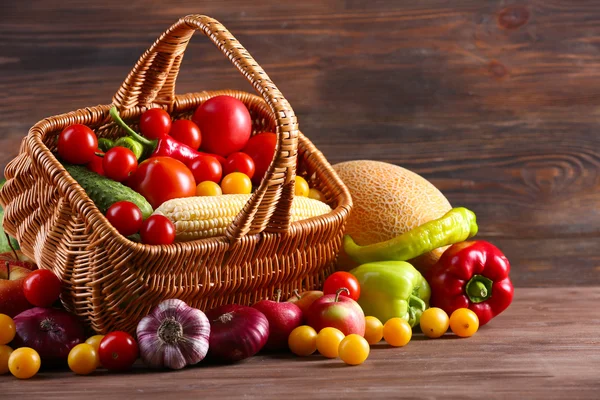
(105, 192)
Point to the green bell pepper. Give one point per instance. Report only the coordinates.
(391, 289)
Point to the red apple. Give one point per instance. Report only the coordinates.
(282, 317)
(339, 312)
(12, 298)
(22, 260)
(305, 299)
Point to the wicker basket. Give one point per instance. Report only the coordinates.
(111, 282)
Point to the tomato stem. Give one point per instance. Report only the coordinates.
(339, 292)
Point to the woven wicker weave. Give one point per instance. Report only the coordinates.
(111, 282)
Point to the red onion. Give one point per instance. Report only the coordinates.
(236, 332)
(50, 332)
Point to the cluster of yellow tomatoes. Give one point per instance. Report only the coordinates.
(354, 349)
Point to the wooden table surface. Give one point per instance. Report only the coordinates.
(495, 102)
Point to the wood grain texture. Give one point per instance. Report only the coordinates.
(545, 346)
(496, 102)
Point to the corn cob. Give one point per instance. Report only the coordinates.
(207, 216)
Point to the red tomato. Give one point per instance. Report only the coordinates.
(155, 123)
(225, 124)
(206, 168)
(118, 351)
(157, 229)
(261, 148)
(342, 279)
(41, 288)
(187, 132)
(77, 144)
(96, 164)
(125, 216)
(119, 163)
(239, 162)
(159, 179)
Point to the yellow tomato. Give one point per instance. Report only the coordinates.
(95, 342)
(328, 341)
(434, 322)
(5, 352)
(373, 330)
(354, 349)
(397, 332)
(464, 322)
(24, 362)
(236, 183)
(8, 329)
(301, 188)
(316, 194)
(83, 359)
(303, 341)
(208, 188)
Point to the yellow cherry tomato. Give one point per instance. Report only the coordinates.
(434, 322)
(8, 329)
(301, 188)
(373, 330)
(24, 362)
(315, 194)
(236, 183)
(354, 349)
(95, 342)
(303, 341)
(397, 332)
(464, 322)
(5, 352)
(208, 188)
(328, 341)
(83, 359)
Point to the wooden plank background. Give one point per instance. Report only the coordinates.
(496, 102)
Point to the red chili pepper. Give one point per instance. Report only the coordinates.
(165, 146)
(472, 275)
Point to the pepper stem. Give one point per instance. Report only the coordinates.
(479, 288)
(149, 145)
(339, 292)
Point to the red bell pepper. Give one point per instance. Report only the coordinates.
(472, 275)
(165, 146)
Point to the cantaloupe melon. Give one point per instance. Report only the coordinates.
(388, 200)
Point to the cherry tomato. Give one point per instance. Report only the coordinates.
(8, 329)
(155, 123)
(157, 229)
(186, 132)
(303, 341)
(77, 144)
(225, 124)
(94, 341)
(83, 359)
(118, 163)
(24, 363)
(328, 341)
(41, 288)
(301, 187)
(236, 183)
(354, 349)
(208, 188)
(206, 168)
(118, 351)
(125, 216)
(5, 352)
(342, 279)
(373, 330)
(464, 322)
(397, 332)
(159, 179)
(96, 164)
(316, 194)
(434, 322)
(239, 162)
(261, 148)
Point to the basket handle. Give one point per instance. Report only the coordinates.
(152, 83)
